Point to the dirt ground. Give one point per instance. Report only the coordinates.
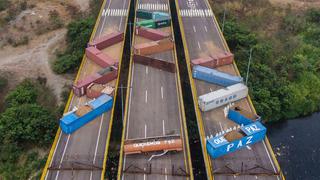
(297, 4)
(33, 60)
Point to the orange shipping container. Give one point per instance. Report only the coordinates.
(152, 146)
(153, 47)
(215, 60)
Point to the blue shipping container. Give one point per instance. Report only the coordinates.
(70, 122)
(215, 77)
(241, 116)
(159, 15)
(219, 145)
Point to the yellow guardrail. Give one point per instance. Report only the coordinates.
(195, 99)
(50, 156)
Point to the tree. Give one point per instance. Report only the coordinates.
(27, 123)
(24, 93)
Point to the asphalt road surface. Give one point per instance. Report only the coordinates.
(203, 39)
(154, 110)
(85, 148)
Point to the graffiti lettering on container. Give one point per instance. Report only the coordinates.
(231, 145)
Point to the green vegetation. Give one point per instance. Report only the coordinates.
(78, 36)
(27, 124)
(55, 20)
(3, 83)
(284, 78)
(4, 4)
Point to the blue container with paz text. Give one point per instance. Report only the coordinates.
(252, 133)
(70, 121)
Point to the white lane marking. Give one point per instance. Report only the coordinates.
(123, 14)
(97, 144)
(220, 126)
(99, 134)
(63, 154)
(163, 128)
(144, 175)
(205, 28)
(194, 29)
(199, 45)
(166, 176)
(270, 158)
(147, 70)
(161, 92)
(54, 152)
(145, 130)
(196, 13)
(256, 177)
(153, 6)
(104, 21)
(146, 96)
(248, 147)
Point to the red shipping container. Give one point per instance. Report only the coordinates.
(104, 60)
(107, 77)
(151, 34)
(153, 47)
(156, 63)
(92, 52)
(107, 40)
(214, 61)
(99, 57)
(79, 88)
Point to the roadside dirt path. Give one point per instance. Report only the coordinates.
(33, 61)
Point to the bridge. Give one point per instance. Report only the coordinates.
(154, 106)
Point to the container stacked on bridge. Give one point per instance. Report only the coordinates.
(94, 85)
(103, 76)
(222, 97)
(215, 77)
(153, 144)
(100, 58)
(236, 139)
(251, 131)
(153, 47)
(77, 118)
(152, 34)
(153, 19)
(107, 40)
(213, 61)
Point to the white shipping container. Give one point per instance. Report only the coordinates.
(222, 97)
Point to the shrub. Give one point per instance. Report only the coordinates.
(27, 123)
(55, 20)
(77, 37)
(313, 15)
(25, 93)
(3, 83)
(4, 4)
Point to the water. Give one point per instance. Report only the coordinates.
(297, 145)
